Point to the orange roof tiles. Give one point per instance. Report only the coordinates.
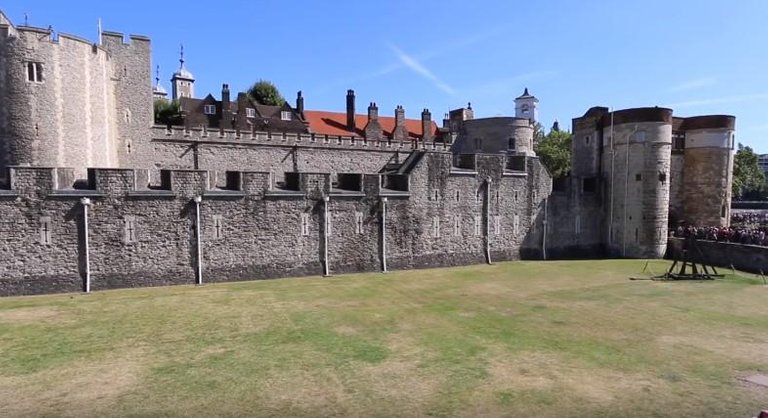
(335, 123)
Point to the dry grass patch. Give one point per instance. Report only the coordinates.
(34, 315)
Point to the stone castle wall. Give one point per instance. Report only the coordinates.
(708, 176)
(254, 227)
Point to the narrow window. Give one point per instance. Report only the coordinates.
(477, 196)
(498, 197)
(457, 225)
(435, 226)
(478, 225)
(218, 229)
(722, 211)
(586, 139)
(511, 144)
(209, 109)
(35, 72)
(437, 195)
(517, 196)
(305, 224)
(458, 196)
(525, 109)
(45, 230)
(285, 115)
(516, 224)
(638, 177)
(359, 222)
(637, 235)
(478, 144)
(129, 230)
(497, 225)
(662, 177)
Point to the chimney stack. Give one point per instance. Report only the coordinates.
(351, 110)
(426, 126)
(300, 103)
(226, 109)
(400, 132)
(373, 129)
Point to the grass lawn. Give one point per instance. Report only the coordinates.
(573, 338)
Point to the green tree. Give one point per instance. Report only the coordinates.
(554, 151)
(168, 112)
(266, 93)
(748, 178)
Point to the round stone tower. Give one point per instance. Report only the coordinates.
(636, 161)
(708, 169)
(57, 101)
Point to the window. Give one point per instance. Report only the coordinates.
(437, 195)
(129, 230)
(662, 177)
(209, 109)
(477, 196)
(359, 222)
(250, 112)
(218, 230)
(516, 224)
(435, 226)
(458, 196)
(517, 196)
(589, 185)
(638, 177)
(498, 197)
(497, 225)
(35, 72)
(478, 225)
(45, 230)
(586, 140)
(637, 235)
(457, 225)
(285, 115)
(678, 142)
(511, 144)
(525, 109)
(478, 144)
(305, 224)
(722, 211)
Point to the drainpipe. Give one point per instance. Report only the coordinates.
(326, 267)
(383, 234)
(488, 220)
(86, 202)
(544, 232)
(199, 240)
(626, 191)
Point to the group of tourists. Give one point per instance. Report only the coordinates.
(738, 234)
(756, 218)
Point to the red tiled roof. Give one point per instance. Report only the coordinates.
(335, 123)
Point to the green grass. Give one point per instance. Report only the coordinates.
(572, 338)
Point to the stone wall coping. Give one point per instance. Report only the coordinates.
(75, 193)
(150, 193)
(224, 194)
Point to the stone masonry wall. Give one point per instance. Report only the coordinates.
(750, 258)
(253, 227)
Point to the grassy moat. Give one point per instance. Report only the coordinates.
(573, 338)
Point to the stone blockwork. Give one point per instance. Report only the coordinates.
(256, 226)
(751, 258)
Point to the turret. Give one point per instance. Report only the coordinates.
(183, 82)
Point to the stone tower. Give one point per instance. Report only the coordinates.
(708, 169)
(183, 82)
(636, 154)
(526, 106)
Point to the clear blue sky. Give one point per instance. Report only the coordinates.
(699, 57)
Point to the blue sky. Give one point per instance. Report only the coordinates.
(699, 57)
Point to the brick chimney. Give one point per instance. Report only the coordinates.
(400, 133)
(226, 110)
(300, 104)
(351, 110)
(373, 129)
(426, 126)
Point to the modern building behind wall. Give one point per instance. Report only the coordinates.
(287, 190)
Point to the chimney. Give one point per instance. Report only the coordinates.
(426, 126)
(226, 110)
(373, 128)
(446, 121)
(373, 111)
(351, 110)
(300, 103)
(400, 132)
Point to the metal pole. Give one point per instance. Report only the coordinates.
(326, 267)
(86, 202)
(544, 238)
(199, 240)
(383, 234)
(488, 220)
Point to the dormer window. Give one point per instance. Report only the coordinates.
(35, 72)
(209, 109)
(250, 112)
(285, 115)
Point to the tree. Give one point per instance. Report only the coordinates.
(748, 178)
(264, 92)
(168, 112)
(554, 151)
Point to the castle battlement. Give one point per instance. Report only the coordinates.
(175, 133)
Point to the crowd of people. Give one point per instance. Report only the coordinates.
(747, 227)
